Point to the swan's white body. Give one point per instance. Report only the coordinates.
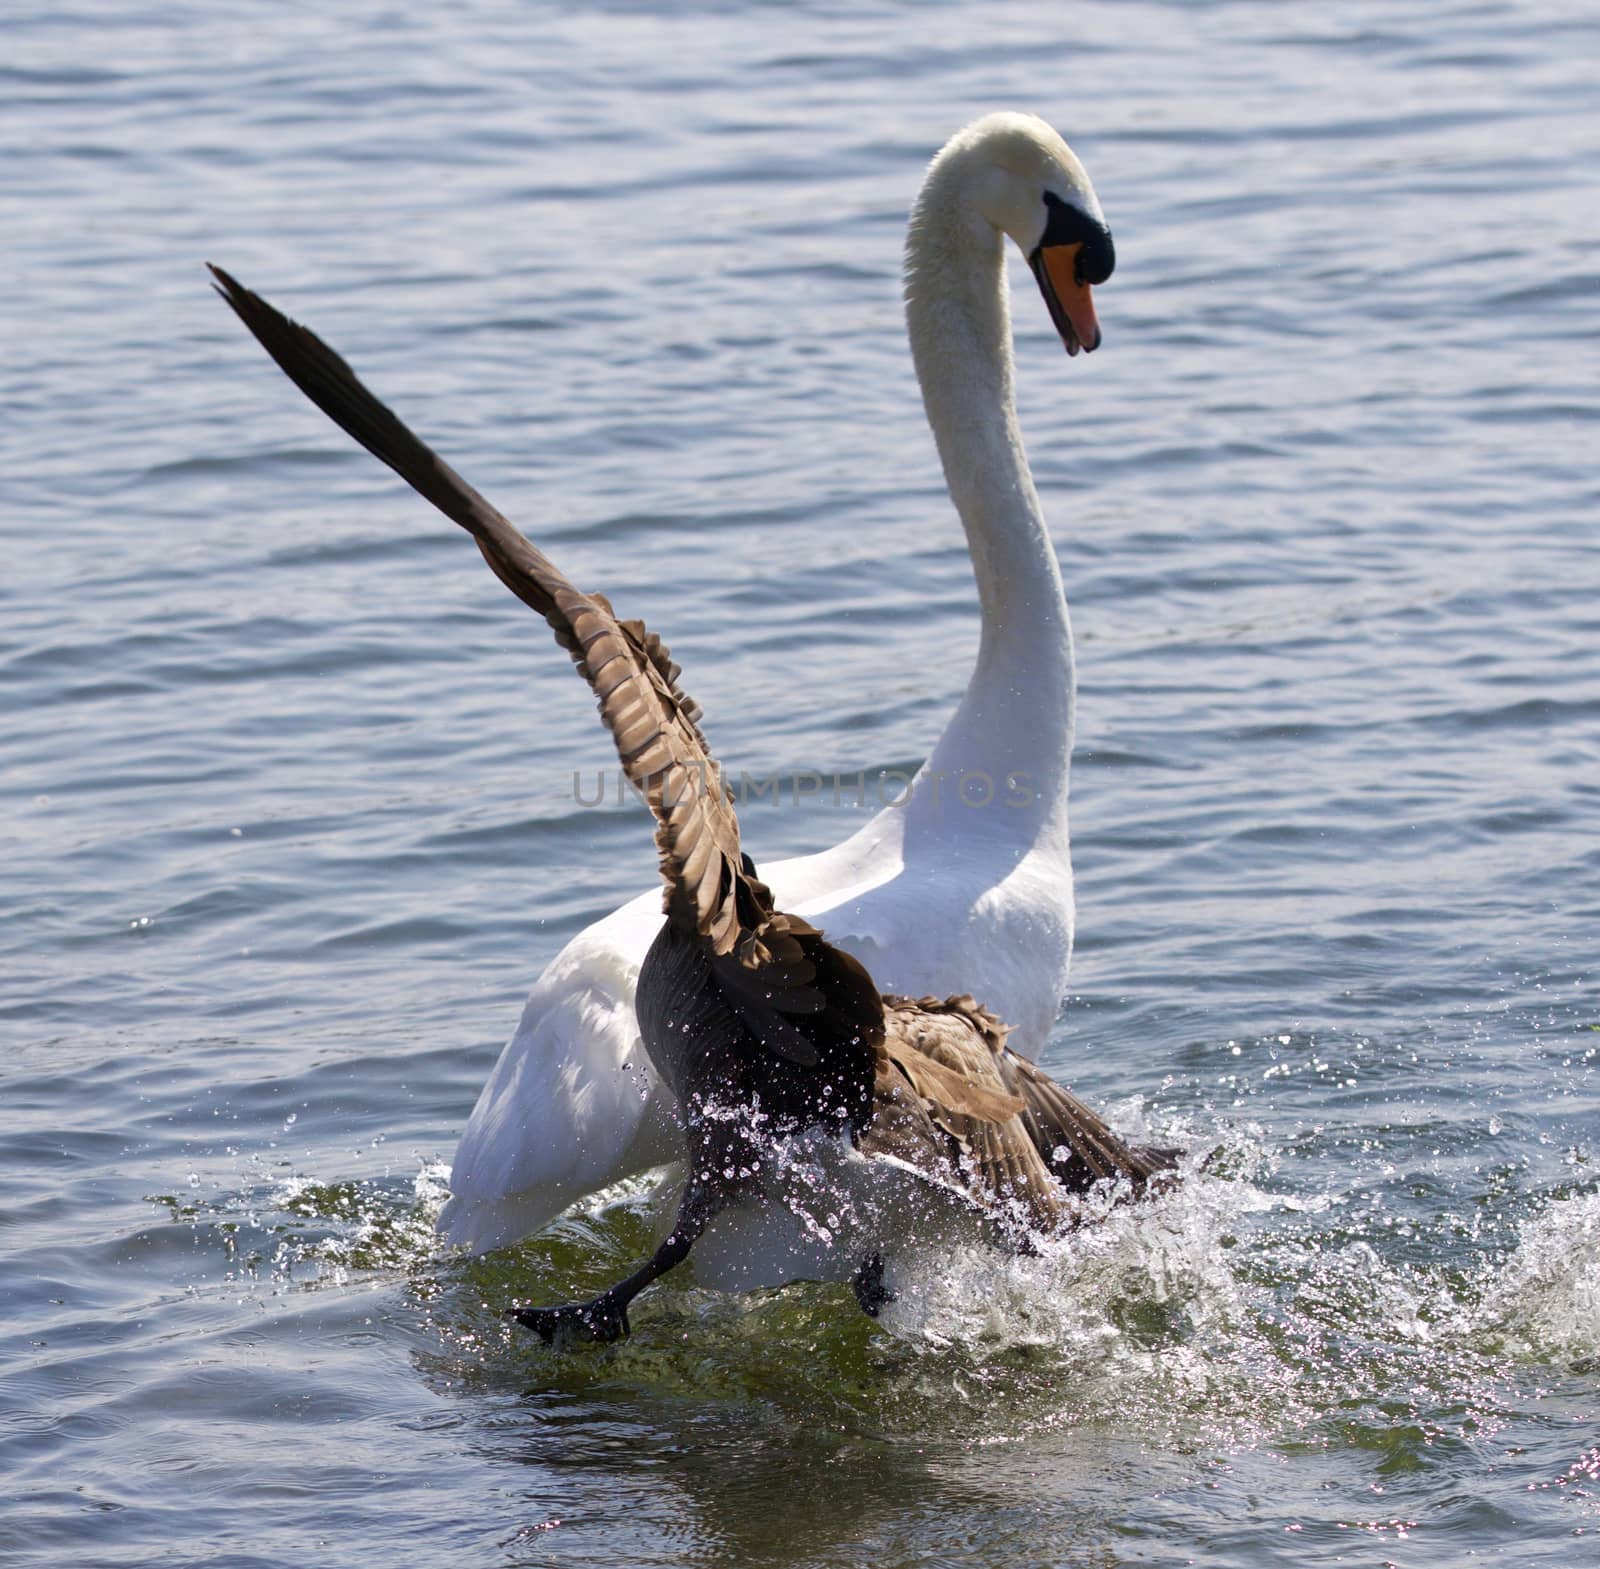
(965, 886)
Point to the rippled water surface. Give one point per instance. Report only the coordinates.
(289, 818)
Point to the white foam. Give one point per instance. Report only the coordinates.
(1164, 1260)
(1546, 1297)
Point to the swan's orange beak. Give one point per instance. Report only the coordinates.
(1071, 304)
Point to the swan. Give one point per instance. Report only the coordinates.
(831, 1129)
(933, 894)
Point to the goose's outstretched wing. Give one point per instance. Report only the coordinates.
(654, 723)
(952, 1101)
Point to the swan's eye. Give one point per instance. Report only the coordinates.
(1066, 224)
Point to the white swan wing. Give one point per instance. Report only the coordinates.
(572, 1105)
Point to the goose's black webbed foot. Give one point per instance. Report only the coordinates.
(869, 1288)
(604, 1320)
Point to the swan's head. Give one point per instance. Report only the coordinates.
(1027, 183)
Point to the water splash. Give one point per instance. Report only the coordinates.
(1226, 1314)
(1545, 1300)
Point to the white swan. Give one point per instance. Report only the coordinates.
(831, 1132)
(937, 893)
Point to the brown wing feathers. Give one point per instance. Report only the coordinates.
(988, 1119)
(654, 724)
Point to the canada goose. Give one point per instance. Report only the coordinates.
(932, 894)
(784, 1059)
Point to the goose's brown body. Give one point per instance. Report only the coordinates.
(761, 1028)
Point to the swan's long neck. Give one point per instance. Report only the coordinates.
(1017, 714)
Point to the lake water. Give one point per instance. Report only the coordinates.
(289, 819)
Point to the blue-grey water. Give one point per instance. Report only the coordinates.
(288, 780)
